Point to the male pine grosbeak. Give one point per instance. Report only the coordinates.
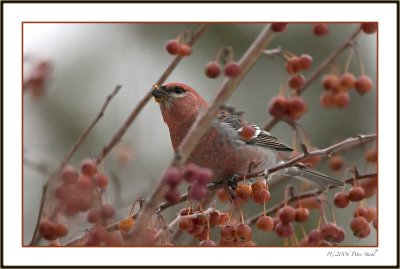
(222, 148)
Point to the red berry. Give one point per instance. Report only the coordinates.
(69, 175)
(265, 223)
(172, 195)
(347, 80)
(207, 243)
(342, 99)
(286, 214)
(213, 69)
(340, 235)
(320, 29)
(358, 225)
(364, 233)
(173, 177)
(369, 27)
(47, 229)
(197, 192)
(185, 50)
(296, 107)
(232, 69)
(227, 233)
(329, 231)
(278, 106)
(327, 100)
(336, 162)
(89, 167)
(191, 172)
(223, 195)
(293, 65)
(278, 26)
(341, 200)
(372, 214)
(248, 132)
(315, 237)
(261, 196)
(62, 192)
(107, 211)
(84, 185)
(243, 191)
(242, 232)
(101, 181)
(330, 82)
(93, 215)
(305, 61)
(296, 81)
(356, 194)
(205, 176)
(186, 225)
(173, 47)
(284, 229)
(302, 214)
(371, 156)
(259, 185)
(214, 218)
(363, 84)
(61, 229)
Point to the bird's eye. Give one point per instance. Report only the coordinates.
(177, 90)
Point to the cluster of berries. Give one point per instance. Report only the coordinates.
(291, 108)
(226, 57)
(175, 47)
(50, 230)
(239, 235)
(325, 235)
(197, 176)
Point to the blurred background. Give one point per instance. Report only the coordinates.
(88, 60)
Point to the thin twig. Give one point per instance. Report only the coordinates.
(318, 71)
(128, 122)
(36, 236)
(199, 127)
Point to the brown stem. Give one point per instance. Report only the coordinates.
(318, 71)
(121, 131)
(36, 236)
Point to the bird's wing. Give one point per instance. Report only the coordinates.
(260, 138)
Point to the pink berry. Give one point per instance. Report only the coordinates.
(173, 177)
(213, 69)
(173, 47)
(232, 69)
(185, 50)
(305, 61)
(320, 29)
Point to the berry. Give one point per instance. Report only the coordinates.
(248, 132)
(364, 233)
(284, 229)
(369, 27)
(358, 225)
(286, 214)
(261, 196)
(371, 156)
(278, 106)
(186, 225)
(185, 50)
(327, 100)
(191, 172)
(259, 185)
(207, 243)
(356, 194)
(336, 162)
(293, 65)
(223, 195)
(296, 81)
(340, 235)
(296, 107)
(62, 192)
(243, 191)
(278, 27)
(265, 223)
(69, 175)
(213, 69)
(93, 215)
(232, 69)
(89, 167)
(172, 195)
(46, 229)
(330, 82)
(223, 218)
(342, 99)
(205, 176)
(243, 232)
(126, 224)
(329, 231)
(302, 214)
(363, 84)
(173, 47)
(227, 233)
(372, 214)
(173, 177)
(341, 200)
(101, 181)
(305, 61)
(107, 211)
(315, 237)
(60, 229)
(197, 192)
(214, 218)
(312, 202)
(320, 29)
(347, 80)
(84, 185)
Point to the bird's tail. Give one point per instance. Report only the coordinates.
(322, 181)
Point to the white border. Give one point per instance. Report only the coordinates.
(14, 14)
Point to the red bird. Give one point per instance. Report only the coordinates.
(225, 148)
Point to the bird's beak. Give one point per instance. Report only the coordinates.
(158, 93)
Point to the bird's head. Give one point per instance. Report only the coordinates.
(178, 101)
